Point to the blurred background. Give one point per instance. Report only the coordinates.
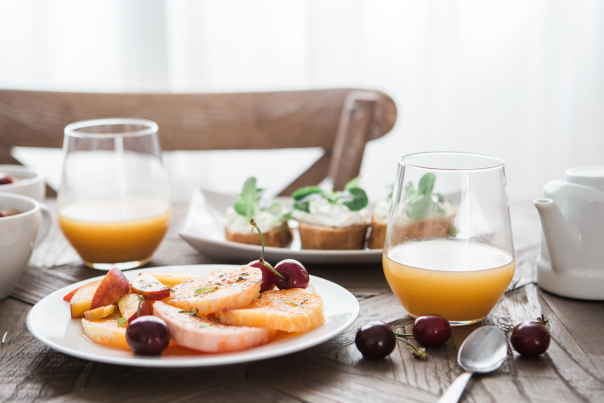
(519, 79)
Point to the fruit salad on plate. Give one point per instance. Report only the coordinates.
(222, 311)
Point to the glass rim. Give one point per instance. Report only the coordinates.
(499, 161)
(71, 129)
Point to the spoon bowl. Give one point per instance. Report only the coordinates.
(484, 350)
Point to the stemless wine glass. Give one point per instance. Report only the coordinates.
(449, 248)
(114, 202)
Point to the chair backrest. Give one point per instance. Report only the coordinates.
(341, 121)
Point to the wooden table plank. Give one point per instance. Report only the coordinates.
(335, 371)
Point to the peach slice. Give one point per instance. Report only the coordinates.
(82, 299)
(99, 313)
(69, 296)
(172, 279)
(113, 287)
(150, 287)
(106, 331)
(129, 307)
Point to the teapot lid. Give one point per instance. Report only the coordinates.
(587, 175)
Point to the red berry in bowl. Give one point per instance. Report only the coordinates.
(375, 340)
(291, 275)
(431, 330)
(530, 339)
(268, 277)
(148, 335)
(5, 179)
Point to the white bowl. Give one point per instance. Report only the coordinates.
(30, 183)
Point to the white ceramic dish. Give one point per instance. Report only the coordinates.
(30, 183)
(50, 322)
(204, 230)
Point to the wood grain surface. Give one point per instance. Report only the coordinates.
(571, 371)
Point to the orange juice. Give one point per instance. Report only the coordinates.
(433, 279)
(115, 230)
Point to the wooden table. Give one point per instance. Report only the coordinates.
(572, 369)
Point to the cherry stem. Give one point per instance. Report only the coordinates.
(264, 262)
(138, 310)
(417, 351)
(403, 334)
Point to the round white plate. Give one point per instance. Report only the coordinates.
(50, 322)
(204, 230)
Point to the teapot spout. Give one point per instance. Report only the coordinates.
(563, 243)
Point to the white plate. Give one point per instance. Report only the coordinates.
(50, 322)
(204, 230)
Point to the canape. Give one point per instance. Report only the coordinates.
(272, 220)
(331, 220)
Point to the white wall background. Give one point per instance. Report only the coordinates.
(520, 79)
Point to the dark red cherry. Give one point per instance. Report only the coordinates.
(148, 335)
(530, 338)
(268, 277)
(5, 179)
(431, 330)
(294, 275)
(375, 340)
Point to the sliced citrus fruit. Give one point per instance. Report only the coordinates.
(106, 331)
(213, 292)
(295, 310)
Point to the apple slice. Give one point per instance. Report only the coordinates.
(106, 331)
(70, 295)
(113, 287)
(82, 298)
(170, 279)
(129, 307)
(99, 313)
(150, 287)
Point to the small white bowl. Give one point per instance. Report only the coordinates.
(30, 183)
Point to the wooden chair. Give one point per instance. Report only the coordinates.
(341, 121)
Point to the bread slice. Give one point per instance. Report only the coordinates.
(278, 237)
(349, 238)
(377, 236)
(294, 310)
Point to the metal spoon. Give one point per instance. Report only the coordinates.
(483, 351)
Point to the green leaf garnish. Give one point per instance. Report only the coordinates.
(190, 312)
(204, 324)
(354, 183)
(426, 184)
(204, 290)
(247, 204)
(290, 302)
(122, 322)
(354, 198)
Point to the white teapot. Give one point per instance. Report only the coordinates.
(571, 262)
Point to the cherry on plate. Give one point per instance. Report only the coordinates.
(375, 340)
(431, 330)
(293, 275)
(530, 339)
(148, 335)
(268, 277)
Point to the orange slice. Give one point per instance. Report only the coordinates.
(106, 331)
(295, 310)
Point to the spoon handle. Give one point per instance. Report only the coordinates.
(455, 390)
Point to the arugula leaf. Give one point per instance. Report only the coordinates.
(305, 191)
(204, 290)
(121, 322)
(247, 204)
(354, 198)
(426, 184)
(354, 183)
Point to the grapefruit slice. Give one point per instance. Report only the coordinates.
(295, 310)
(213, 292)
(203, 334)
(106, 331)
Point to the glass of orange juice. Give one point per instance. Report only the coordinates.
(449, 248)
(114, 202)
